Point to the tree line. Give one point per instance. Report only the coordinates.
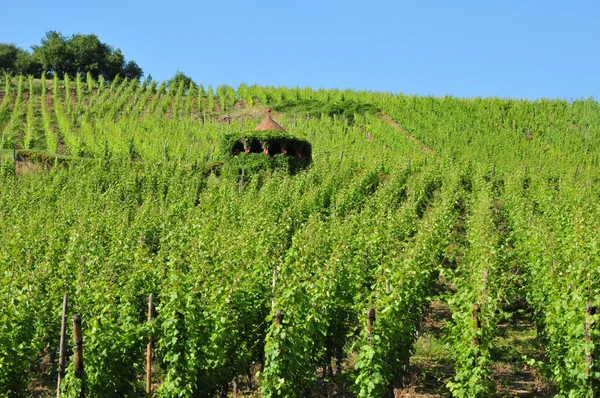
(63, 55)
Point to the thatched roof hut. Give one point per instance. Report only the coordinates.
(269, 124)
(267, 146)
(268, 138)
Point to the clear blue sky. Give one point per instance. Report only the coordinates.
(519, 49)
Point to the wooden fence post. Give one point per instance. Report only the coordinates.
(590, 311)
(149, 347)
(370, 320)
(78, 352)
(63, 345)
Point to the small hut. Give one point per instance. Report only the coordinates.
(271, 139)
(270, 146)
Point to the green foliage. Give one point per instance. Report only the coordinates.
(16, 60)
(30, 134)
(476, 308)
(129, 194)
(210, 99)
(82, 54)
(179, 79)
(10, 133)
(8, 56)
(347, 109)
(238, 152)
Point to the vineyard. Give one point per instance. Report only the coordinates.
(434, 246)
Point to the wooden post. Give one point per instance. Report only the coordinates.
(476, 323)
(149, 347)
(370, 320)
(63, 345)
(476, 326)
(590, 311)
(278, 317)
(78, 352)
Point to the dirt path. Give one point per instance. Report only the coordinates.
(430, 367)
(408, 136)
(516, 339)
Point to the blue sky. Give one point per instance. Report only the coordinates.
(518, 49)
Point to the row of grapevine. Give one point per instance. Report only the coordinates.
(556, 230)
(482, 280)
(10, 131)
(403, 282)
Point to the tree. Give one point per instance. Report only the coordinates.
(8, 56)
(27, 64)
(54, 54)
(81, 54)
(114, 64)
(132, 71)
(16, 60)
(88, 54)
(180, 77)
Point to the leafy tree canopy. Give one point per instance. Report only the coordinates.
(16, 60)
(180, 78)
(62, 55)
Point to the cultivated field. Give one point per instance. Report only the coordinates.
(435, 247)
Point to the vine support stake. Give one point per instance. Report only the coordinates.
(476, 323)
(370, 320)
(63, 345)
(476, 342)
(78, 352)
(149, 347)
(590, 311)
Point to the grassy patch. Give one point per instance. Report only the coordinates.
(429, 348)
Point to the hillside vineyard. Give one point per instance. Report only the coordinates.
(329, 281)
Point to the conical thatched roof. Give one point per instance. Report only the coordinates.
(269, 124)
